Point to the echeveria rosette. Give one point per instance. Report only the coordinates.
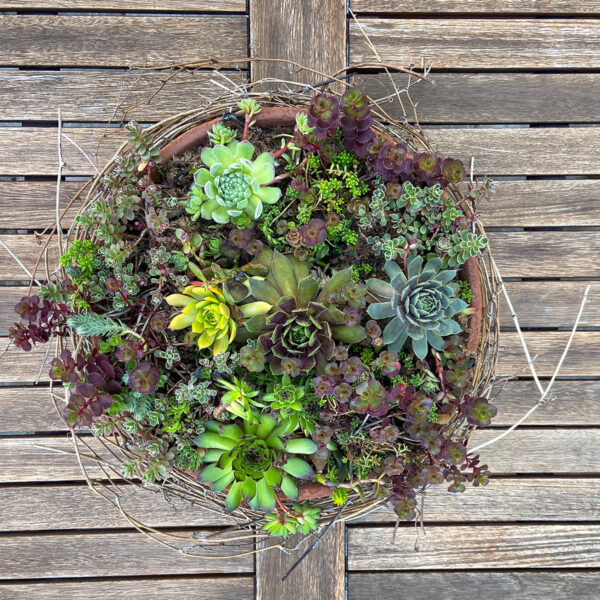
(206, 311)
(233, 184)
(302, 323)
(253, 460)
(420, 304)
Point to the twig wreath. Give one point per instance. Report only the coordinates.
(280, 306)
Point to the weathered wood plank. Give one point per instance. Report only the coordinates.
(522, 151)
(132, 5)
(311, 33)
(551, 304)
(518, 499)
(27, 248)
(546, 253)
(542, 203)
(523, 451)
(492, 98)
(484, 547)
(31, 204)
(507, 151)
(51, 459)
(537, 203)
(29, 410)
(540, 451)
(114, 555)
(551, 254)
(573, 403)
(479, 44)
(505, 499)
(34, 150)
(531, 585)
(77, 507)
(537, 304)
(582, 360)
(96, 95)
(31, 40)
(569, 7)
(319, 575)
(223, 588)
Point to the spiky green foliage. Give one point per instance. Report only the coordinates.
(420, 304)
(254, 460)
(91, 324)
(233, 185)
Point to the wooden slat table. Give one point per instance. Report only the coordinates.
(516, 88)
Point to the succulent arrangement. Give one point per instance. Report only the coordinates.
(274, 311)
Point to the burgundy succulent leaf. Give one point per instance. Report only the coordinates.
(356, 122)
(313, 232)
(393, 162)
(324, 115)
(144, 378)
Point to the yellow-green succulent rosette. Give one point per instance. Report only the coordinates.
(233, 184)
(206, 311)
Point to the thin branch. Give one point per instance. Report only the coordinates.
(584, 301)
(18, 261)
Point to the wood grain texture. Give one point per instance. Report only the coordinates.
(320, 575)
(468, 547)
(311, 33)
(546, 253)
(532, 585)
(31, 204)
(531, 203)
(114, 555)
(550, 254)
(569, 7)
(506, 500)
(51, 459)
(96, 95)
(28, 410)
(522, 151)
(559, 451)
(542, 203)
(479, 44)
(550, 304)
(27, 248)
(223, 588)
(492, 98)
(573, 403)
(92, 41)
(524, 451)
(583, 359)
(507, 151)
(33, 151)
(131, 6)
(80, 508)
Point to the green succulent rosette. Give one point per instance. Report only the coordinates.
(420, 304)
(253, 460)
(233, 184)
